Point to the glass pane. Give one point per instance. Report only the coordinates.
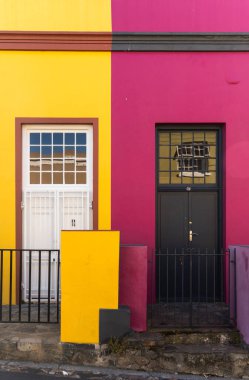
(80, 151)
(199, 136)
(187, 137)
(58, 151)
(69, 151)
(163, 164)
(57, 178)
(163, 178)
(46, 165)
(81, 178)
(212, 151)
(58, 165)
(175, 138)
(211, 137)
(46, 151)
(211, 178)
(46, 178)
(69, 178)
(164, 138)
(174, 164)
(211, 165)
(46, 138)
(34, 178)
(80, 138)
(69, 165)
(34, 165)
(58, 138)
(175, 178)
(199, 180)
(34, 152)
(164, 151)
(34, 138)
(80, 166)
(69, 138)
(187, 180)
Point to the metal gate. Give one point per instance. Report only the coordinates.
(192, 288)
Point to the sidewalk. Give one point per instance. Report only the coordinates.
(215, 352)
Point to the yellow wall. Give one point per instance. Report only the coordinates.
(89, 281)
(52, 84)
(55, 15)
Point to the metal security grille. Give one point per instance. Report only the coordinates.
(196, 290)
(187, 157)
(45, 214)
(42, 271)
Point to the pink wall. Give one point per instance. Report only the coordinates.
(133, 284)
(180, 15)
(149, 88)
(242, 290)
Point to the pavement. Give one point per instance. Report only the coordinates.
(197, 352)
(31, 371)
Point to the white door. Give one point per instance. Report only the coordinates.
(57, 195)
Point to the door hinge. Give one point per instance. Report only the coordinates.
(22, 205)
(91, 205)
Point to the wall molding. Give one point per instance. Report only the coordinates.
(124, 41)
(181, 42)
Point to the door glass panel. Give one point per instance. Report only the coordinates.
(58, 155)
(189, 156)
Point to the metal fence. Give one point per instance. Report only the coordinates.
(29, 286)
(192, 288)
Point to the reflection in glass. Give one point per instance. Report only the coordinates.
(69, 178)
(69, 165)
(34, 152)
(46, 165)
(81, 178)
(81, 138)
(46, 178)
(58, 165)
(80, 151)
(46, 151)
(80, 165)
(34, 139)
(34, 178)
(57, 138)
(69, 151)
(58, 151)
(46, 138)
(189, 156)
(57, 178)
(69, 138)
(34, 165)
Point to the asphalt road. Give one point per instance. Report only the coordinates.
(35, 371)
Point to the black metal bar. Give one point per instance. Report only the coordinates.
(1, 287)
(49, 284)
(20, 286)
(39, 287)
(30, 274)
(10, 287)
(58, 288)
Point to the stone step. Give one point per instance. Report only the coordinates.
(202, 359)
(164, 337)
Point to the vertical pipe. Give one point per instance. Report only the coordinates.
(10, 286)
(39, 286)
(20, 285)
(30, 274)
(214, 271)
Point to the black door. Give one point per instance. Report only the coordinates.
(188, 215)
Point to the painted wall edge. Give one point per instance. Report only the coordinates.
(124, 41)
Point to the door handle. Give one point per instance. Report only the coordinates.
(191, 234)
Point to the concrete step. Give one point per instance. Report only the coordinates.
(160, 338)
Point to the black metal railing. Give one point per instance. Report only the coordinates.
(29, 285)
(192, 288)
